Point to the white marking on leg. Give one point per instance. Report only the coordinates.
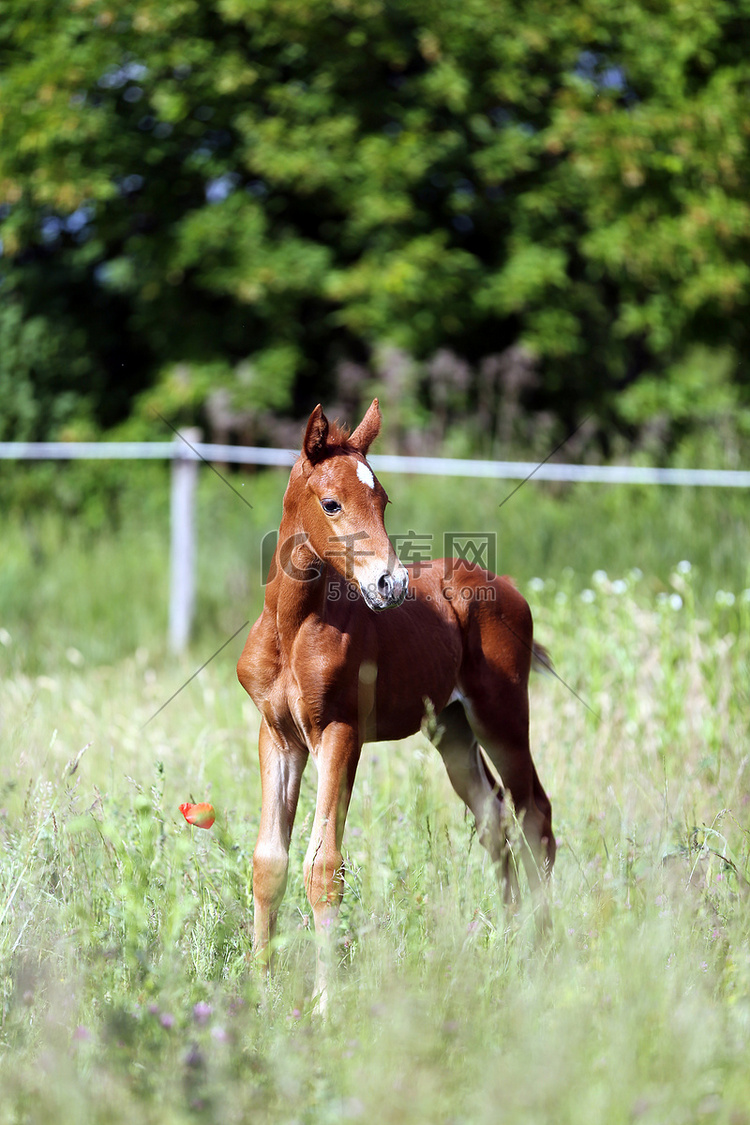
(364, 472)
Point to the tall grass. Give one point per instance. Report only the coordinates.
(127, 990)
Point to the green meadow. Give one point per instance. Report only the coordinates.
(127, 987)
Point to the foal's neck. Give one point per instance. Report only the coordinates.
(297, 590)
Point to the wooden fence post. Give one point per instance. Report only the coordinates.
(182, 544)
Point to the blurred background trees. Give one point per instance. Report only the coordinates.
(499, 215)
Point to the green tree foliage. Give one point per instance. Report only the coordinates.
(252, 192)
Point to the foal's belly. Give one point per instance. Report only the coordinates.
(419, 651)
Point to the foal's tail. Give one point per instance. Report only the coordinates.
(541, 661)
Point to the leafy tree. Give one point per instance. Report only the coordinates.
(251, 193)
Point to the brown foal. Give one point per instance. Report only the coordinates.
(328, 672)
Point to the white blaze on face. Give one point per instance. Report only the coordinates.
(365, 474)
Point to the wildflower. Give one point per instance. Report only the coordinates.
(536, 584)
(675, 601)
(202, 1012)
(194, 1058)
(587, 595)
(166, 1020)
(619, 586)
(683, 567)
(201, 815)
(599, 577)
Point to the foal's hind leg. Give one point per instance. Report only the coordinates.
(478, 789)
(504, 734)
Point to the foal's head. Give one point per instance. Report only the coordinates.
(342, 507)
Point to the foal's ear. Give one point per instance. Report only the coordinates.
(314, 445)
(367, 430)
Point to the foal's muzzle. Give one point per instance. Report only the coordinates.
(389, 589)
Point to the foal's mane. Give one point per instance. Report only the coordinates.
(337, 440)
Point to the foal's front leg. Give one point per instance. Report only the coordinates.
(337, 756)
(281, 770)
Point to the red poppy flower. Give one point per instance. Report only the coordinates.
(201, 815)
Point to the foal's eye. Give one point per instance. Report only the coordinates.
(330, 507)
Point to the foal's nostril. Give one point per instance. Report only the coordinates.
(385, 585)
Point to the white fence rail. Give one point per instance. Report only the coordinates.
(384, 462)
(186, 453)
